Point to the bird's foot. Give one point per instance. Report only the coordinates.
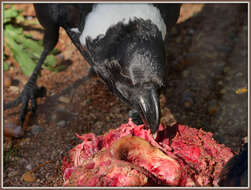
(30, 93)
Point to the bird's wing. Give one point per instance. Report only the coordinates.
(170, 12)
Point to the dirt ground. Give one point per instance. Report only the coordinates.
(207, 57)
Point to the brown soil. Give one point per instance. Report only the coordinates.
(202, 54)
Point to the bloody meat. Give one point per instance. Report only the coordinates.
(130, 156)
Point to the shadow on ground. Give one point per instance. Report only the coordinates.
(207, 65)
(208, 69)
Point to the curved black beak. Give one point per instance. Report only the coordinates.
(149, 107)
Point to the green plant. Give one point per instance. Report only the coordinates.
(11, 153)
(5, 65)
(26, 51)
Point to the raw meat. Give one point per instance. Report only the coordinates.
(130, 156)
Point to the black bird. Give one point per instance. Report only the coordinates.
(123, 43)
(235, 172)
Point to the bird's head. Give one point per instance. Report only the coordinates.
(131, 60)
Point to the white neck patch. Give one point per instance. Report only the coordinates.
(103, 16)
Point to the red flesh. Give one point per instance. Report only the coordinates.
(180, 156)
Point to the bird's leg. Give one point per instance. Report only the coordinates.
(31, 91)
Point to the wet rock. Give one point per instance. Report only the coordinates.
(61, 107)
(220, 83)
(239, 74)
(60, 115)
(223, 48)
(12, 173)
(64, 99)
(58, 163)
(223, 91)
(178, 40)
(6, 81)
(60, 58)
(107, 118)
(13, 130)
(14, 89)
(213, 107)
(24, 141)
(53, 155)
(35, 129)
(22, 161)
(245, 139)
(61, 124)
(7, 143)
(29, 17)
(12, 69)
(22, 80)
(187, 99)
(185, 73)
(190, 31)
(226, 69)
(231, 121)
(29, 177)
(174, 31)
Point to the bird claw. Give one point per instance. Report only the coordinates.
(30, 93)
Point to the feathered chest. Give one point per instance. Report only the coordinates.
(103, 16)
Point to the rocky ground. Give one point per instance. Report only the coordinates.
(207, 86)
